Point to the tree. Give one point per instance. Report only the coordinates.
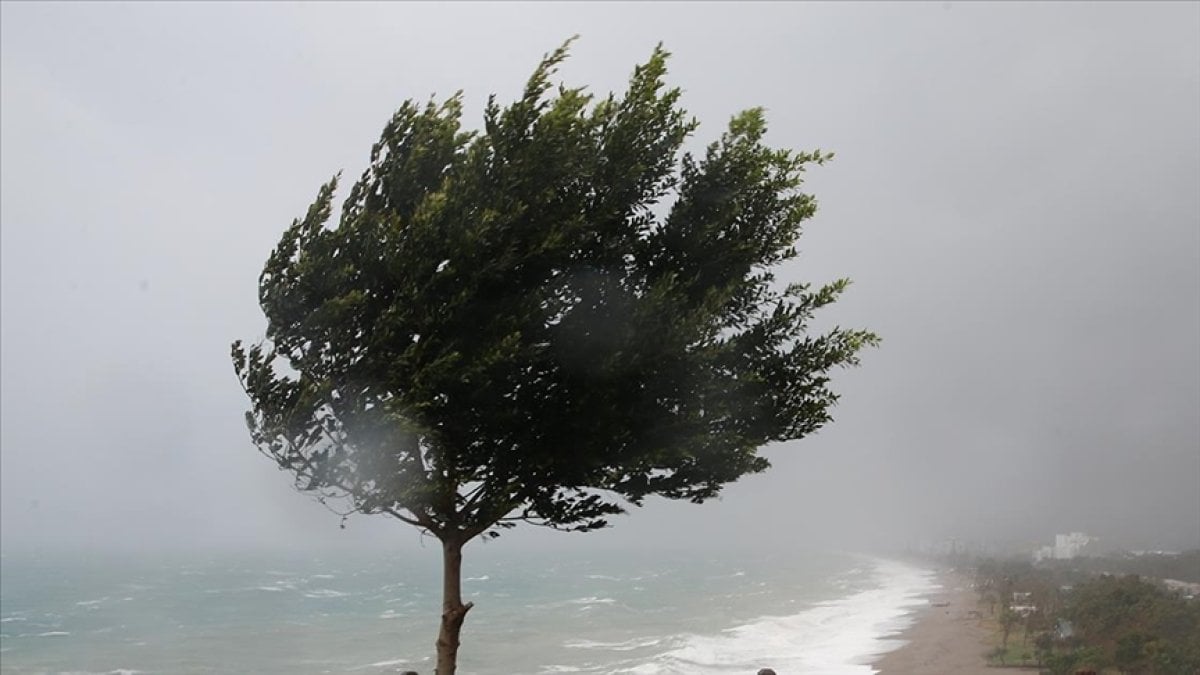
(1043, 646)
(1066, 663)
(1134, 624)
(1130, 654)
(513, 325)
(1008, 619)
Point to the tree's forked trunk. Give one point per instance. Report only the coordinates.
(453, 609)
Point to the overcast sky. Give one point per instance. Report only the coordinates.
(1016, 195)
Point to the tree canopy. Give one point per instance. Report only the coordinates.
(545, 320)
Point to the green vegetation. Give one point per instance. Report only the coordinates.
(1082, 621)
(1014, 646)
(1183, 566)
(545, 321)
(1136, 625)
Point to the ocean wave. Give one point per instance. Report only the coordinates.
(389, 663)
(325, 593)
(583, 604)
(652, 575)
(625, 646)
(830, 638)
(591, 600)
(275, 586)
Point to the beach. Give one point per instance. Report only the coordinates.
(946, 637)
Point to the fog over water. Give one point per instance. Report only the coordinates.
(1016, 196)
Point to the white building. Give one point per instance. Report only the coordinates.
(1066, 547)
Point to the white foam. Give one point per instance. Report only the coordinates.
(118, 671)
(583, 604)
(384, 664)
(53, 633)
(591, 600)
(627, 645)
(325, 593)
(831, 638)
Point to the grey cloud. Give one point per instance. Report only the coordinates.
(1015, 196)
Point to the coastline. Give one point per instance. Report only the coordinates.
(944, 638)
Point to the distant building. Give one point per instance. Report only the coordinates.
(943, 548)
(1188, 590)
(1066, 547)
(952, 546)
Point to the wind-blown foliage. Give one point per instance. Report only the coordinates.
(1137, 626)
(1091, 621)
(547, 320)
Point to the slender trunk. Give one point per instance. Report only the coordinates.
(453, 609)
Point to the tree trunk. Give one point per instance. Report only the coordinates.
(453, 609)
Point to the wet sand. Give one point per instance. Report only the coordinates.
(944, 639)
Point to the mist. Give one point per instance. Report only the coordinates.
(1015, 194)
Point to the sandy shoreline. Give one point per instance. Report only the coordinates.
(944, 639)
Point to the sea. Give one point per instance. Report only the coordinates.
(629, 612)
